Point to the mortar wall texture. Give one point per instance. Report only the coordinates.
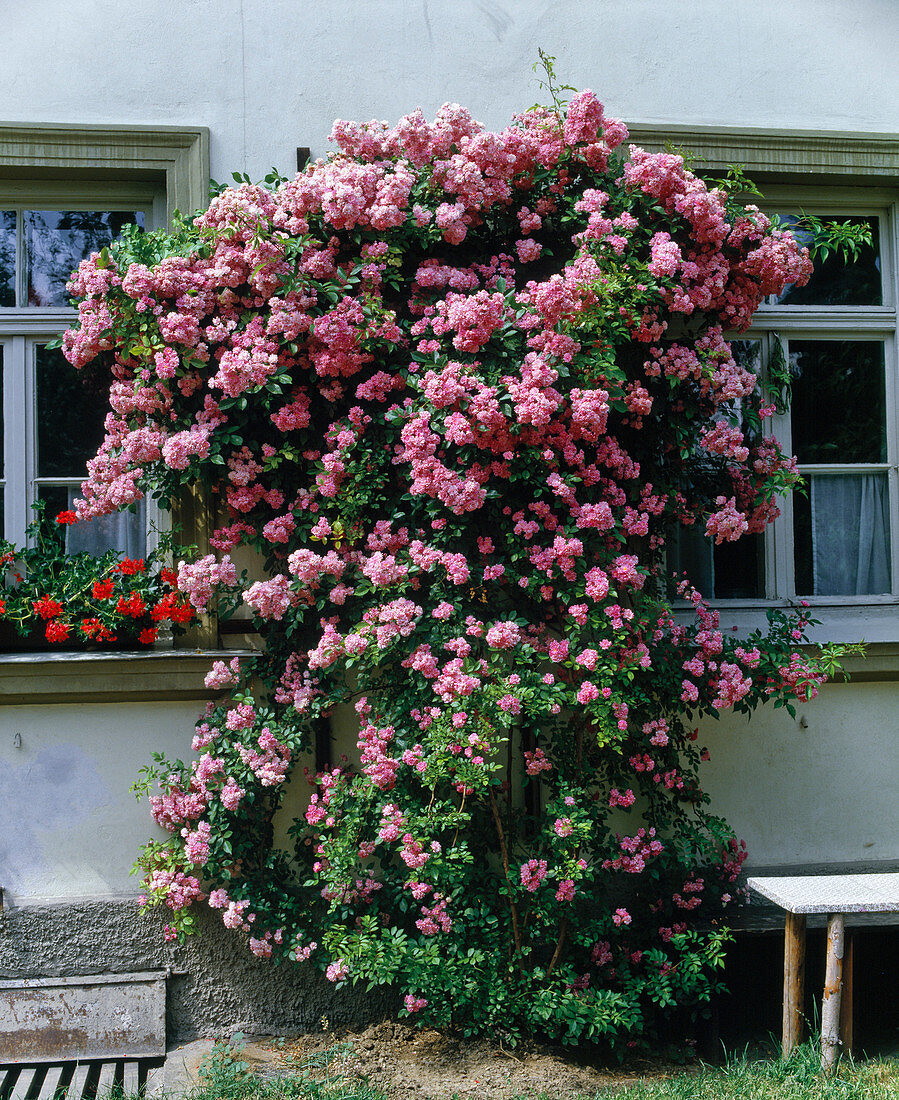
(216, 986)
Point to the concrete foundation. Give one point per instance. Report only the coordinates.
(215, 988)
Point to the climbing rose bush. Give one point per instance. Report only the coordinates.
(458, 389)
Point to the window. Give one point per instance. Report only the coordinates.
(53, 422)
(835, 339)
(66, 191)
(836, 545)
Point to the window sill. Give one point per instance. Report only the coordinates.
(98, 677)
(841, 620)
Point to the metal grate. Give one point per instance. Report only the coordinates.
(92, 1080)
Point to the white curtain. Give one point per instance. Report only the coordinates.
(850, 534)
(122, 531)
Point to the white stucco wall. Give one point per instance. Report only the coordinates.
(268, 75)
(69, 827)
(820, 793)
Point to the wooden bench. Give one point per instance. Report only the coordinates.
(835, 895)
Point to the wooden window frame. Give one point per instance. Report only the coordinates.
(160, 169)
(847, 172)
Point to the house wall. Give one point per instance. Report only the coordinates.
(815, 790)
(266, 76)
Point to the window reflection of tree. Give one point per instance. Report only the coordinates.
(56, 241)
(839, 401)
(837, 281)
(7, 257)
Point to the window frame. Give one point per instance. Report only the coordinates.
(842, 173)
(24, 328)
(71, 166)
(160, 169)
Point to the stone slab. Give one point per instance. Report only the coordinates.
(73, 1019)
(831, 893)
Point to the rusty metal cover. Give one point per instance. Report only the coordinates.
(103, 1016)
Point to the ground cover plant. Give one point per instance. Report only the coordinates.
(459, 389)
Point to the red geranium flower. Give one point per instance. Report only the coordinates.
(47, 607)
(133, 606)
(57, 632)
(90, 627)
(129, 566)
(148, 636)
(169, 608)
(102, 590)
(168, 576)
(67, 518)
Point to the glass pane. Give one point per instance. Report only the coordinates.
(122, 531)
(70, 416)
(731, 571)
(747, 354)
(57, 240)
(837, 281)
(839, 406)
(842, 535)
(7, 257)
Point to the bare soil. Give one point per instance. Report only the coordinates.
(406, 1062)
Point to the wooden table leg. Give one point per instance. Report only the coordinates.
(833, 988)
(846, 1031)
(794, 981)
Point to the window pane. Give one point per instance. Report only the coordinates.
(731, 571)
(842, 536)
(122, 531)
(837, 281)
(7, 257)
(69, 416)
(56, 241)
(838, 407)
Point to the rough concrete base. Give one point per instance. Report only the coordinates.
(181, 1070)
(216, 988)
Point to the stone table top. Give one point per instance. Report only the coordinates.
(877, 893)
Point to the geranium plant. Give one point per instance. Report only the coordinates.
(458, 389)
(69, 601)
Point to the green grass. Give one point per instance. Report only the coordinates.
(799, 1078)
(223, 1076)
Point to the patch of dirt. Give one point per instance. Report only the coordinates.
(406, 1062)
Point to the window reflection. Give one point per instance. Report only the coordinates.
(56, 241)
(7, 257)
(838, 281)
(69, 416)
(839, 402)
(731, 570)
